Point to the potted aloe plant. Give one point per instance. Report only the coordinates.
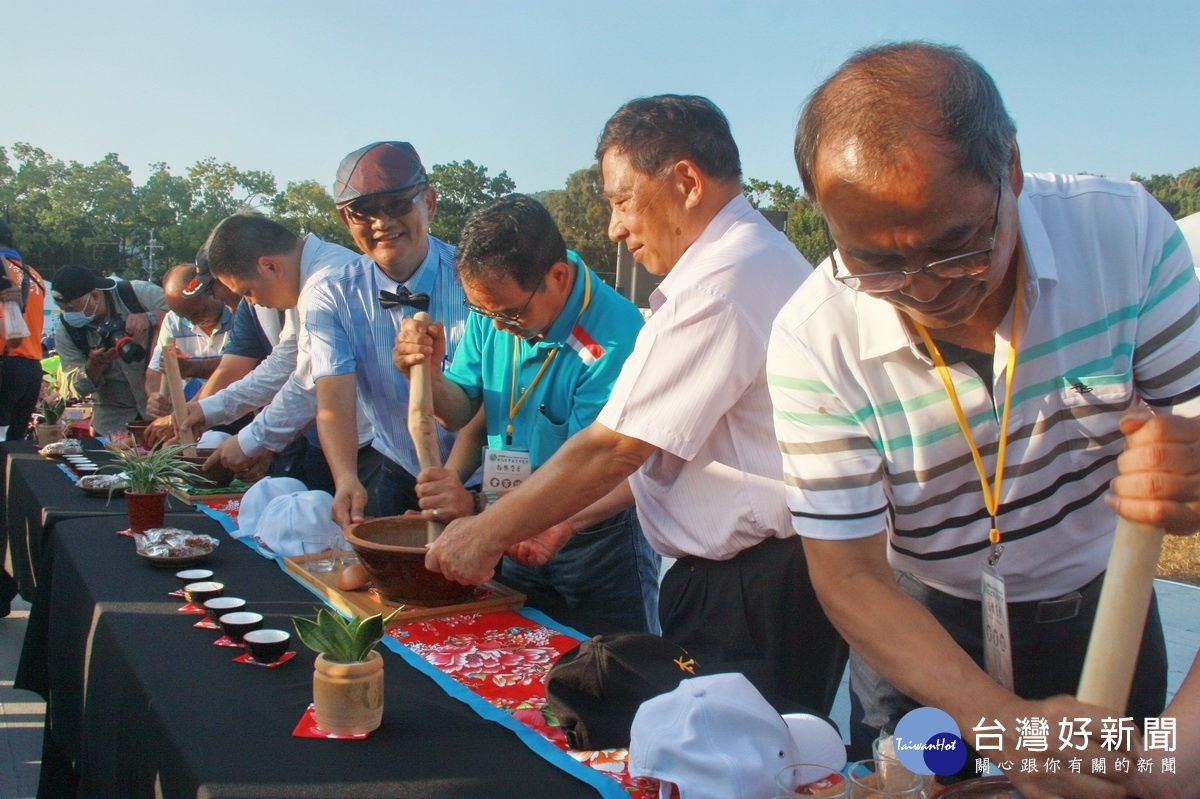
(348, 676)
(50, 429)
(150, 476)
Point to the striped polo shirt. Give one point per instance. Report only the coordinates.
(870, 441)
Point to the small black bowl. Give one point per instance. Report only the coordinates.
(238, 624)
(218, 606)
(192, 576)
(268, 646)
(199, 592)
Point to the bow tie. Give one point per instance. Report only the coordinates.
(389, 299)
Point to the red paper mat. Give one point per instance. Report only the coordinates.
(307, 728)
(249, 660)
(504, 657)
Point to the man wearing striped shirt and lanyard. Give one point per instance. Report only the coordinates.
(353, 317)
(540, 353)
(952, 390)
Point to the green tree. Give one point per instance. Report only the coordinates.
(307, 207)
(461, 188)
(24, 201)
(805, 227)
(582, 213)
(1179, 194)
(164, 205)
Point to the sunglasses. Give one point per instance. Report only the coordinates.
(393, 205)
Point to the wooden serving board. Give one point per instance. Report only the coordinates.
(365, 603)
(192, 499)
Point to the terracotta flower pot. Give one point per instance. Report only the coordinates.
(48, 434)
(348, 697)
(146, 511)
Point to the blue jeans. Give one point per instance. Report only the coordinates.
(608, 569)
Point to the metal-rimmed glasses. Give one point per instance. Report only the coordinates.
(968, 264)
(503, 317)
(394, 205)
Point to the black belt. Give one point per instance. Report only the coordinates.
(1043, 611)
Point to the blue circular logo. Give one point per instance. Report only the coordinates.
(927, 741)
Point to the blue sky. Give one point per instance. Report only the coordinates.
(291, 87)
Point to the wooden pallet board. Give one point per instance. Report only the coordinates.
(366, 603)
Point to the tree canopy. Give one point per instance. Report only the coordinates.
(94, 214)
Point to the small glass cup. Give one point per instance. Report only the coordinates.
(319, 553)
(347, 555)
(868, 781)
(884, 750)
(810, 779)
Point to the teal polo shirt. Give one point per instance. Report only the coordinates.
(592, 347)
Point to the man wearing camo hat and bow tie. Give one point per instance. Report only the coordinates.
(353, 315)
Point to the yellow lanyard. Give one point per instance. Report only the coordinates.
(515, 402)
(991, 492)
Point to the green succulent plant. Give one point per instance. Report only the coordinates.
(342, 640)
(158, 470)
(53, 409)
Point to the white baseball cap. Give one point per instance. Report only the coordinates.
(716, 737)
(258, 496)
(291, 518)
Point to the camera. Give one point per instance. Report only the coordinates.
(113, 336)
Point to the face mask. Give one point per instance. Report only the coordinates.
(78, 318)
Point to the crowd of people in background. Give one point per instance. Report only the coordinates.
(987, 369)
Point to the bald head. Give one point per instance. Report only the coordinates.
(203, 309)
(866, 116)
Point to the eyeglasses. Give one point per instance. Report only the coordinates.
(507, 319)
(394, 205)
(968, 264)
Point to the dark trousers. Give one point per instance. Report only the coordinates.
(757, 613)
(397, 491)
(1049, 641)
(20, 385)
(608, 570)
(318, 477)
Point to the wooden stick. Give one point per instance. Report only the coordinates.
(174, 383)
(421, 424)
(1120, 616)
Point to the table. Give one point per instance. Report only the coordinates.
(37, 496)
(141, 704)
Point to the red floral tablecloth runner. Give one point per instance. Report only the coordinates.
(503, 658)
(229, 507)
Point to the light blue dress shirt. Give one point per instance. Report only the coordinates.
(348, 331)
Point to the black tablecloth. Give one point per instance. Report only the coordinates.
(38, 495)
(140, 702)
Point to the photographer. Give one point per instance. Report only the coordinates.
(104, 338)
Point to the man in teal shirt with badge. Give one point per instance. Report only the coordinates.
(544, 343)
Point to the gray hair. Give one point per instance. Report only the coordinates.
(657, 132)
(883, 95)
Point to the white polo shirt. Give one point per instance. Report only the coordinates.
(695, 387)
(870, 441)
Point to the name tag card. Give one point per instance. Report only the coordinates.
(997, 646)
(504, 470)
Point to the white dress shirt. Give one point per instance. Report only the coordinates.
(695, 387)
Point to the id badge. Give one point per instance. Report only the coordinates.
(997, 646)
(504, 470)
